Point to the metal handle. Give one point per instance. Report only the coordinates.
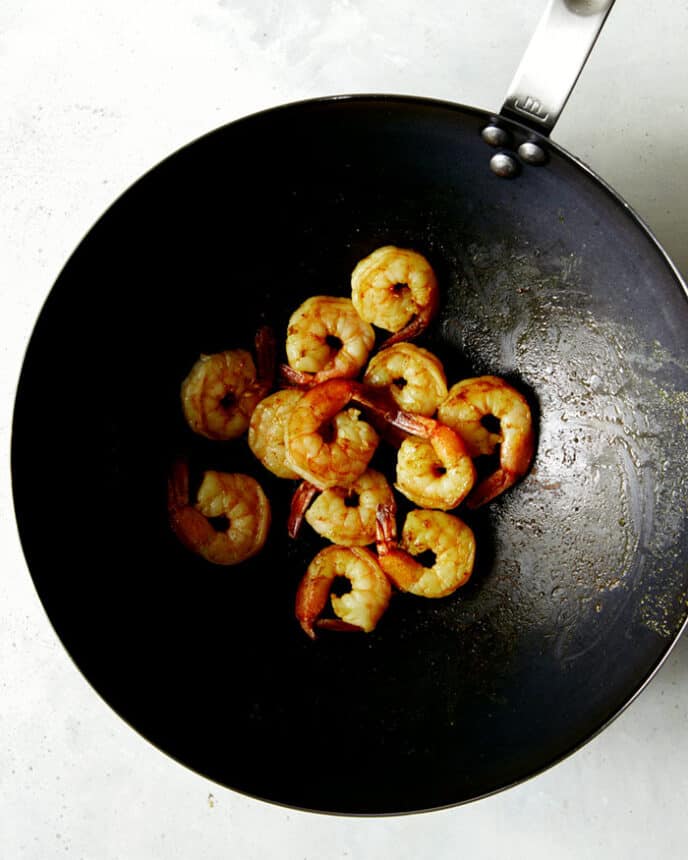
(553, 61)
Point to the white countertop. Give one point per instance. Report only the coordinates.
(92, 94)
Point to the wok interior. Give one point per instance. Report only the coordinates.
(579, 584)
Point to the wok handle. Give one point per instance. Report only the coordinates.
(553, 61)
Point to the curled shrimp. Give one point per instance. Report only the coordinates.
(467, 409)
(360, 608)
(222, 390)
(266, 431)
(326, 339)
(238, 500)
(434, 469)
(344, 515)
(328, 444)
(413, 376)
(449, 539)
(396, 290)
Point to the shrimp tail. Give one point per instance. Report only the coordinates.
(386, 528)
(266, 350)
(189, 526)
(397, 564)
(303, 496)
(515, 458)
(490, 488)
(296, 378)
(387, 418)
(338, 625)
(307, 627)
(311, 597)
(416, 325)
(381, 405)
(412, 329)
(416, 425)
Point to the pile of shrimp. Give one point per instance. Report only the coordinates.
(320, 423)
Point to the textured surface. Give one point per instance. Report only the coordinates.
(93, 98)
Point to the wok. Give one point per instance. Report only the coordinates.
(547, 279)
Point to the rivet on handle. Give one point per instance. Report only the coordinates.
(504, 165)
(495, 136)
(531, 153)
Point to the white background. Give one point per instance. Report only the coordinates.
(93, 93)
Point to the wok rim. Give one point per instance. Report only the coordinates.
(267, 112)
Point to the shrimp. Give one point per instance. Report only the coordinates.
(266, 431)
(360, 608)
(450, 540)
(466, 409)
(343, 515)
(325, 445)
(396, 290)
(326, 339)
(434, 469)
(413, 376)
(222, 390)
(238, 499)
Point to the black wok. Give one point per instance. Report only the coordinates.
(547, 279)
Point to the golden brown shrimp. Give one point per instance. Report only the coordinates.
(413, 376)
(360, 608)
(466, 408)
(237, 499)
(222, 390)
(266, 431)
(434, 469)
(450, 540)
(396, 290)
(326, 443)
(326, 339)
(343, 515)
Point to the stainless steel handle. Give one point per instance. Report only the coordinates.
(553, 61)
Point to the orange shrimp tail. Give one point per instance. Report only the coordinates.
(416, 325)
(399, 567)
(385, 528)
(296, 378)
(416, 425)
(303, 496)
(188, 525)
(311, 597)
(381, 411)
(338, 625)
(300, 379)
(520, 457)
(489, 488)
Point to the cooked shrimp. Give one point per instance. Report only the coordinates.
(325, 445)
(326, 339)
(466, 409)
(237, 499)
(344, 515)
(358, 609)
(434, 469)
(396, 290)
(412, 375)
(266, 431)
(450, 540)
(222, 390)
